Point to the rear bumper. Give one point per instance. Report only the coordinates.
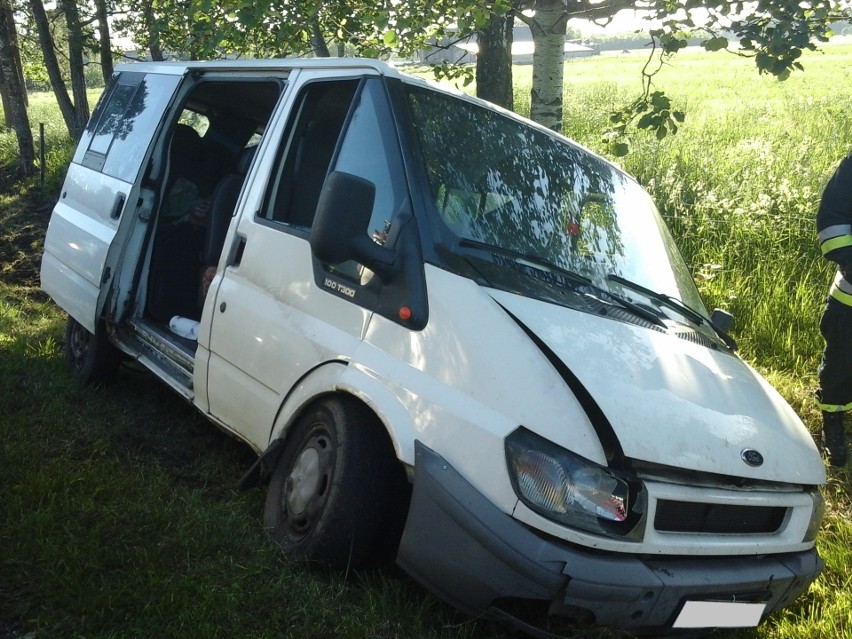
(484, 562)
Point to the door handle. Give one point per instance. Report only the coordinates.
(117, 205)
(238, 254)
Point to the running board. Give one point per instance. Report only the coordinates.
(164, 354)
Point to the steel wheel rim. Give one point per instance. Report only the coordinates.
(306, 487)
(80, 342)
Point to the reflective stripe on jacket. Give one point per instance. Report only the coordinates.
(841, 289)
(834, 237)
(834, 228)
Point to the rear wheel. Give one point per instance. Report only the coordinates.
(334, 486)
(93, 358)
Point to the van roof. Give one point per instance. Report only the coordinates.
(181, 67)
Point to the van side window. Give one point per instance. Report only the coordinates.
(304, 160)
(123, 124)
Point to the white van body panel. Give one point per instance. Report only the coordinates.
(258, 312)
(359, 381)
(472, 377)
(342, 66)
(705, 406)
(78, 238)
(269, 330)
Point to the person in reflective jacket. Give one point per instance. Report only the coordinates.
(834, 231)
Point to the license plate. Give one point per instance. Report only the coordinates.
(719, 614)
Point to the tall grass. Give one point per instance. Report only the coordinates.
(739, 184)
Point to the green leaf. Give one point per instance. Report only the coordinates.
(660, 101)
(716, 44)
(620, 149)
(390, 38)
(764, 62)
(647, 121)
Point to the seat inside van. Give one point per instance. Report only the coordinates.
(210, 149)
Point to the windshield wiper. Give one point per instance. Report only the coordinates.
(536, 262)
(529, 260)
(679, 306)
(668, 300)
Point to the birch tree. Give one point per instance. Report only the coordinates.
(774, 33)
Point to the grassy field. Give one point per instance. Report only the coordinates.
(119, 517)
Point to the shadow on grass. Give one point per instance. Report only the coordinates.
(120, 517)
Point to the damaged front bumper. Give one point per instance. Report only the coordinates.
(479, 559)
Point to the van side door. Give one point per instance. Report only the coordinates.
(275, 318)
(101, 184)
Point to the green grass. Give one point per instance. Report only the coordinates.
(119, 517)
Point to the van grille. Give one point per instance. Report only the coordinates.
(689, 517)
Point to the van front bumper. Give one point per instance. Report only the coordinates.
(466, 551)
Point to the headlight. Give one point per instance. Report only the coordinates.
(817, 514)
(572, 490)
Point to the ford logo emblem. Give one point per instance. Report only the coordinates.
(752, 457)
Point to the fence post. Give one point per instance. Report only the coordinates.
(41, 153)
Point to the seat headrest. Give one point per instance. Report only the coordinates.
(185, 140)
(244, 161)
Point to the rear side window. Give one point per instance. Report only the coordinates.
(120, 131)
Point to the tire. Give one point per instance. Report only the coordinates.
(93, 359)
(334, 490)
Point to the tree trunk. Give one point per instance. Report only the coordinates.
(104, 40)
(76, 63)
(16, 54)
(494, 61)
(318, 42)
(16, 58)
(54, 74)
(154, 46)
(7, 107)
(548, 32)
(15, 91)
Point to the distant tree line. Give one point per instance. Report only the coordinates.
(58, 43)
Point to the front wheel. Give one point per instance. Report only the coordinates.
(333, 488)
(93, 358)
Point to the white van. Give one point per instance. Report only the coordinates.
(449, 334)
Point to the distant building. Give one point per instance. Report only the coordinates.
(464, 51)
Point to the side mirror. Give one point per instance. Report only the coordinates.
(339, 232)
(722, 320)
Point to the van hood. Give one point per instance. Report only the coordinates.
(674, 402)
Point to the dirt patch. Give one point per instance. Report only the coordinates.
(24, 214)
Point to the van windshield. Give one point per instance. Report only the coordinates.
(497, 181)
